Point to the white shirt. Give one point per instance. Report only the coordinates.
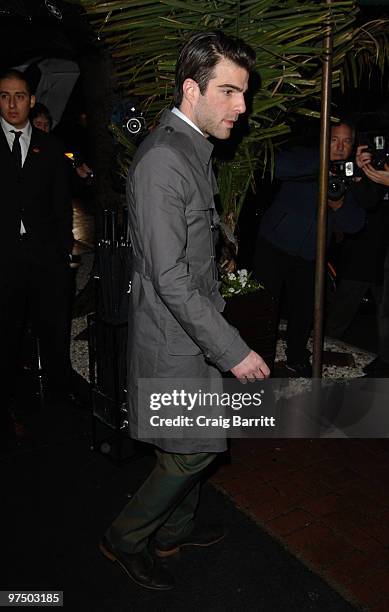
(181, 115)
(24, 140)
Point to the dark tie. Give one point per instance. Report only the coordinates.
(16, 149)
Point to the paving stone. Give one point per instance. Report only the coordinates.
(352, 568)
(290, 522)
(319, 545)
(372, 588)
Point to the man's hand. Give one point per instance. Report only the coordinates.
(228, 265)
(362, 156)
(252, 366)
(84, 171)
(378, 176)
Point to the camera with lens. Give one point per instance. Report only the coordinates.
(341, 177)
(378, 146)
(134, 121)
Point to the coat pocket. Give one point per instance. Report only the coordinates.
(178, 342)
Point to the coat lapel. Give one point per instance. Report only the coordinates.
(3, 143)
(9, 166)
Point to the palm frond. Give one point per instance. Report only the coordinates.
(144, 38)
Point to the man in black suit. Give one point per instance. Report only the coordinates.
(36, 239)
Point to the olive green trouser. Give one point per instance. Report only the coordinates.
(164, 505)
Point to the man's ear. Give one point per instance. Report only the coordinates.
(190, 91)
(32, 101)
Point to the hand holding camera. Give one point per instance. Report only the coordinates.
(377, 167)
(363, 156)
(371, 158)
(377, 176)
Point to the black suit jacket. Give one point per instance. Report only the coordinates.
(39, 195)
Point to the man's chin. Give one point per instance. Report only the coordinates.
(223, 134)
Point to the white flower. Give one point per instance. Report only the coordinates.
(239, 283)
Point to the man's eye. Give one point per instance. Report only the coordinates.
(228, 92)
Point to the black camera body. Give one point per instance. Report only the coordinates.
(378, 146)
(341, 177)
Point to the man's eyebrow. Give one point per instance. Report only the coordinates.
(231, 87)
(4, 91)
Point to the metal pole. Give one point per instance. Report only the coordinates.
(322, 204)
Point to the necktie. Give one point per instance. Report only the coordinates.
(16, 149)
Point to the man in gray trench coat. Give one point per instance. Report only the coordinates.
(176, 329)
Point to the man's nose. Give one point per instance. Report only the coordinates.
(12, 102)
(241, 105)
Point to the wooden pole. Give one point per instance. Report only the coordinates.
(320, 271)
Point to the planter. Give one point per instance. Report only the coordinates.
(255, 315)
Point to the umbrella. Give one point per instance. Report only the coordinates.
(56, 78)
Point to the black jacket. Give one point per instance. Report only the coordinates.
(290, 222)
(361, 255)
(39, 195)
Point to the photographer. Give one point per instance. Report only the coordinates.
(286, 246)
(361, 256)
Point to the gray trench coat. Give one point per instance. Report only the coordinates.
(175, 326)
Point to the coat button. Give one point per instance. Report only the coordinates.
(169, 129)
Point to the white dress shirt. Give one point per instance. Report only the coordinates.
(24, 140)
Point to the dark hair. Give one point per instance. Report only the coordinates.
(202, 52)
(40, 109)
(345, 121)
(12, 73)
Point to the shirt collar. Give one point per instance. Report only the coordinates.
(180, 114)
(7, 127)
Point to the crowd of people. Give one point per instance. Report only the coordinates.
(286, 247)
(176, 326)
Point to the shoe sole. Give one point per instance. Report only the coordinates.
(162, 554)
(112, 557)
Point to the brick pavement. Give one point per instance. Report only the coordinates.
(326, 501)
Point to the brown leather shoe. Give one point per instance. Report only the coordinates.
(140, 567)
(201, 537)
